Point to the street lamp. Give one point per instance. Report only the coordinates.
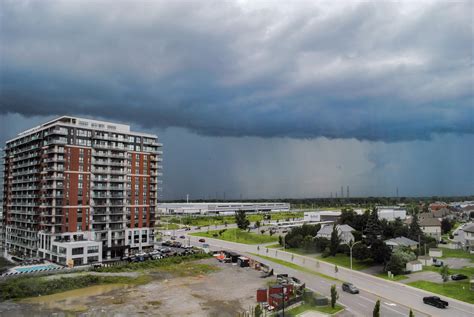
(351, 244)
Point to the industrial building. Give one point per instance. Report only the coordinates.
(224, 208)
(78, 191)
(322, 215)
(391, 213)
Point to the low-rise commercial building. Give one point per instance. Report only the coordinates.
(391, 213)
(224, 208)
(322, 215)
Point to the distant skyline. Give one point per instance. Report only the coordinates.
(259, 99)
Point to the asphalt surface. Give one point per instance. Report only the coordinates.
(396, 299)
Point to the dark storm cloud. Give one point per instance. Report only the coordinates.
(370, 71)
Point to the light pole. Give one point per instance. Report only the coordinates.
(350, 244)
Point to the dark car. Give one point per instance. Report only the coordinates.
(458, 277)
(350, 288)
(435, 301)
(438, 263)
(182, 237)
(202, 240)
(173, 238)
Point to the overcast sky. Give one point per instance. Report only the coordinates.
(259, 99)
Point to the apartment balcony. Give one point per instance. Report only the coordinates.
(60, 131)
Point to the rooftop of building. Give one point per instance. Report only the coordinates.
(83, 123)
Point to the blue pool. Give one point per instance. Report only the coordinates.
(35, 268)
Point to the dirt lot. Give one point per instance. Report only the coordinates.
(223, 293)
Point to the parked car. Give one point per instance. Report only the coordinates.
(350, 288)
(202, 240)
(197, 228)
(458, 277)
(173, 238)
(435, 301)
(182, 237)
(187, 229)
(438, 263)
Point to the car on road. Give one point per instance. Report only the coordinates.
(438, 264)
(197, 228)
(182, 237)
(435, 301)
(202, 240)
(350, 288)
(458, 277)
(173, 238)
(187, 229)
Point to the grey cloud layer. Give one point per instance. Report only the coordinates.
(374, 71)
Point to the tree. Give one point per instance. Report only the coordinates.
(361, 252)
(380, 252)
(334, 296)
(373, 229)
(257, 224)
(446, 226)
(335, 241)
(377, 309)
(241, 220)
(411, 313)
(257, 311)
(399, 259)
(415, 231)
(444, 273)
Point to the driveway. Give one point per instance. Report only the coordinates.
(423, 276)
(457, 263)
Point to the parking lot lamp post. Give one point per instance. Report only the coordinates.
(351, 244)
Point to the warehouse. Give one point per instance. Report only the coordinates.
(224, 208)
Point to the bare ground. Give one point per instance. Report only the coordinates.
(223, 293)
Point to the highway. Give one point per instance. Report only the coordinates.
(396, 298)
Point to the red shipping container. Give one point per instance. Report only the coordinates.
(261, 295)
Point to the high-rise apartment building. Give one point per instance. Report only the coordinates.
(78, 191)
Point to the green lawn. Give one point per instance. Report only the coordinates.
(170, 226)
(458, 290)
(205, 221)
(344, 261)
(395, 278)
(237, 235)
(308, 307)
(296, 267)
(274, 246)
(450, 253)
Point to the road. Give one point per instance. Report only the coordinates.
(396, 298)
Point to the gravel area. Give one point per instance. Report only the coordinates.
(223, 293)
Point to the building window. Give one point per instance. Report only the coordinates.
(93, 249)
(77, 251)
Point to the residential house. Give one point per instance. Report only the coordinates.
(431, 227)
(401, 242)
(464, 235)
(344, 232)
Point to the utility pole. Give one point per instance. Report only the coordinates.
(347, 191)
(187, 198)
(342, 191)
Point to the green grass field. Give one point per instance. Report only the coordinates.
(274, 246)
(449, 253)
(204, 221)
(344, 261)
(237, 235)
(308, 307)
(458, 290)
(296, 267)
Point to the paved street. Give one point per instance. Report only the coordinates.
(396, 298)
